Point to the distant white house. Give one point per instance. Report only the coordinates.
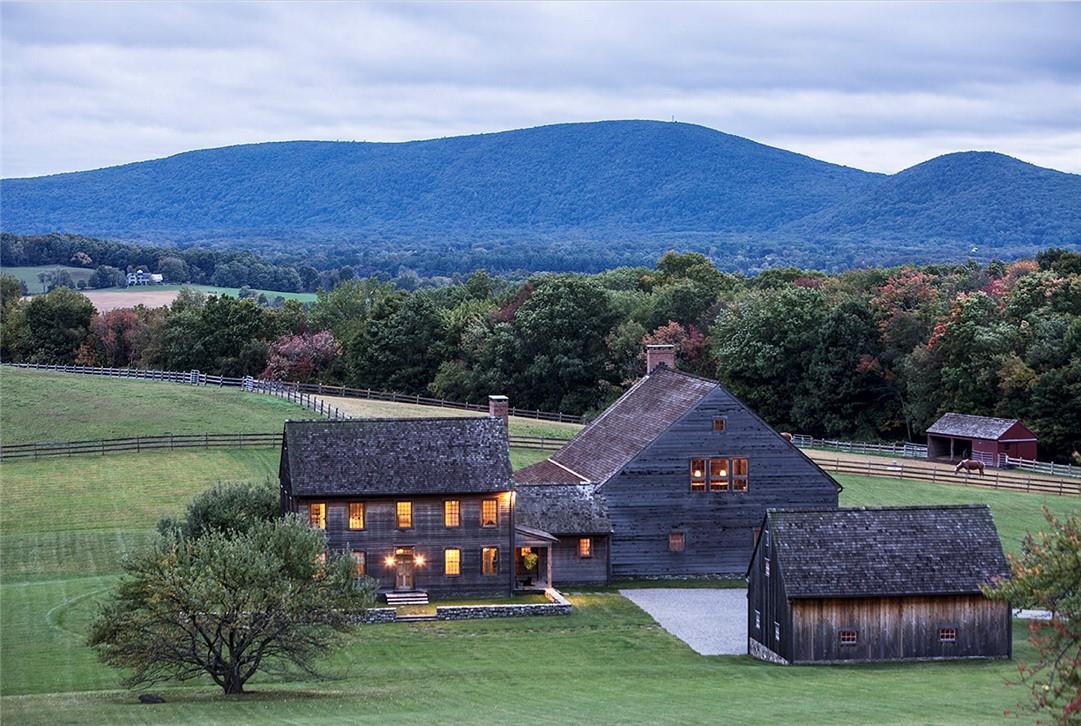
(141, 277)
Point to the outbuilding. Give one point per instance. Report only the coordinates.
(871, 585)
(958, 436)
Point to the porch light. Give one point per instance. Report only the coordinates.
(390, 562)
(418, 560)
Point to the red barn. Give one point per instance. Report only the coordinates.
(958, 436)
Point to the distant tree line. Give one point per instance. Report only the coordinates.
(865, 354)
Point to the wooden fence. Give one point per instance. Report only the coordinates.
(198, 378)
(146, 444)
(922, 471)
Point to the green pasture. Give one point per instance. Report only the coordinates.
(224, 291)
(29, 274)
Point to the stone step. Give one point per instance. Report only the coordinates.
(414, 618)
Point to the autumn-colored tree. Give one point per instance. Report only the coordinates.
(692, 352)
(303, 357)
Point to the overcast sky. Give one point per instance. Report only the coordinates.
(877, 86)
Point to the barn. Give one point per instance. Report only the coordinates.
(872, 585)
(958, 436)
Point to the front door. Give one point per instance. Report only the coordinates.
(403, 557)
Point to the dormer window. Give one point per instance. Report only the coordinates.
(698, 475)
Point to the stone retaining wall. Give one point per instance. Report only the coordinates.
(378, 615)
(761, 652)
(477, 612)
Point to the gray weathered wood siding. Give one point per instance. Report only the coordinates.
(900, 628)
(430, 538)
(766, 595)
(570, 569)
(651, 496)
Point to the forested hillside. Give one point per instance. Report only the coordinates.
(874, 353)
(580, 197)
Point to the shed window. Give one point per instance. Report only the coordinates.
(489, 560)
(849, 637)
(452, 562)
(776, 631)
(718, 475)
(757, 620)
(739, 475)
(698, 475)
(361, 560)
(489, 513)
(452, 513)
(947, 635)
(720, 424)
(317, 514)
(765, 560)
(676, 541)
(356, 515)
(585, 547)
(405, 514)
(765, 542)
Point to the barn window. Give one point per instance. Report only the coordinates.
(766, 561)
(765, 542)
(405, 515)
(718, 475)
(849, 637)
(356, 515)
(317, 514)
(452, 562)
(361, 560)
(452, 513)
(947, 635)
(585, 547)
(698, 475)
(719, 425)
(489, 560)
(489, 513)
(757, 620)
(676, 541)
(776, 631)
(739, 475)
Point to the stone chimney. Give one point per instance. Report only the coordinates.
(499, 407)
(658, 354)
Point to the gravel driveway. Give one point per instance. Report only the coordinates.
(712, 622)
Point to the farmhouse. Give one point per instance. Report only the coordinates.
(142, 277)
(989, 440)
(685, 472)
(886, 584)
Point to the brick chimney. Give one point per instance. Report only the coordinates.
(658, 354)
(499, 407)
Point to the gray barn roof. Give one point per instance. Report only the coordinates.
(387, 457)
(971, 427)
(887, 551)
(562, 508)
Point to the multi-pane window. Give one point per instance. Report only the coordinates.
(698, 475)
(489, 513)
(676, 541)
(361, 560)
(585, 546)
(404, 511)
(317, 514)
(452, 513)
(489, 560)
(452, 562)
(718, 475)
(356, 515)
(720, 424)
(849, 637)
(947, 635)
(766, 562)
(739, 475)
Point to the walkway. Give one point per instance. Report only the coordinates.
(711, 621)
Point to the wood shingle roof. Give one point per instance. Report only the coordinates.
(971, 427)
(889, 551)
(562, 508)
(387, 457)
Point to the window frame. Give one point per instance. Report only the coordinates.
(398, 514)
(721, 484)
(680, 537)
(484, 563)
(363, 516)
(457, 503)
(699, 483)
(947, 635)
(720, 424)
(360, 565)
(322, 508)
(741, 483)
(848, 636)
(495, 519)
(446, 551)
(588, 550)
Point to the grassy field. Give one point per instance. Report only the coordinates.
(157, 295)
(29, 275)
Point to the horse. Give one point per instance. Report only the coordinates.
(969, 465)
(786, 436)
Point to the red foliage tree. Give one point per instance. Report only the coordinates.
(690, 343)
(301, 357)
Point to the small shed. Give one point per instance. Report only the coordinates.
(877, 584)
(958, 436)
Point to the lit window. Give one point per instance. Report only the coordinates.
(698, 475)
(489, 560)
(356, 515)
(757, 620)
(452, 562)
(317, 514)
(489, 513)
(739, 475)
(585, 546)
(676, 541)
(719, 425)
(718, 475)
(776, 631)
(849, 637)
(361, 562)
(452, 513)
(766, 560)
(947, 635)
(405, 515)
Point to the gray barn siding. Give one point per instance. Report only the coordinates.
(651, 496)
(570, 569)
(767, 595)
(428, 535)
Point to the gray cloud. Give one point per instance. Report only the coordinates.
(879, 86)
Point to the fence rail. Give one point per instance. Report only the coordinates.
(283, 388)
(993, 479)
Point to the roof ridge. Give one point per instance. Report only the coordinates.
(895, 508)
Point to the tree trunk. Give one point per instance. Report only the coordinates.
(233, 684)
